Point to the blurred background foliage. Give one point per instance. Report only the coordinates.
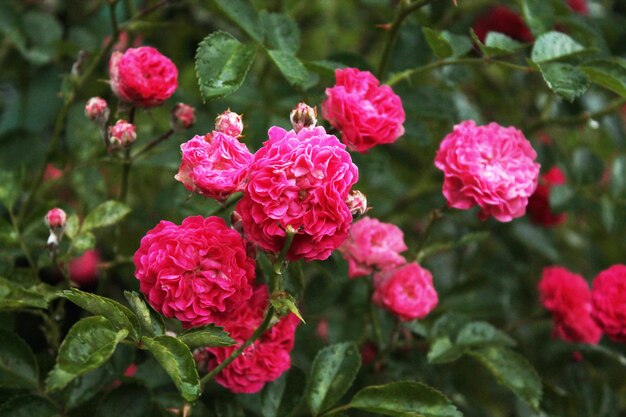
(47, 47)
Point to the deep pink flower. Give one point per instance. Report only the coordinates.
(366, 113)
(579, 6)
(567, 296)
(609, 302)
(56, 218)
(503, 20)
(97, 109)
(407, 291)
(266, 359)
(197, 272)
(490, 166)
(229, 123)
(539, 203)
(84, 269)
(299, 180)
(215, 165)
(122, 134)
(372, 246)
(183, 116)
(142, 76)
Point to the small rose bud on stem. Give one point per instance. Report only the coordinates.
(121, 135)
(229, 123)
(183, 116)
(357, 203)
(55, 219)
(303, 116)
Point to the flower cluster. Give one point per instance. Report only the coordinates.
(299, 182)
(490, 166)
(197, 272)
(567, 296)
(366, 113)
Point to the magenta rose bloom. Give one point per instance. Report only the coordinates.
(366, 113)
(197, 272)
(609, 302)
(567, 296)
(266, 359)
(215, 165)
(371, 246)
(490, 166)
(299, 180)
(407, 291)
(142, 76)
(539, 208)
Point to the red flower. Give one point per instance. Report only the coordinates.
(539, 203)
(609, 301)
(503, 20)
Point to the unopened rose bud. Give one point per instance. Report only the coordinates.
(357, 203)
(303, 116)
(56, 218)
(122, 134)
(229, 123)
(97, 110)
(183, 116)
(236, 221)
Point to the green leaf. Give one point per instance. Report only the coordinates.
(121, 317)
(538, 14)
(106, 214)
(72, 226)
(177, 360)
(281, 32)
(284, 304)
(280, 397)
(222, 63)
(42, 28)
(554, 46)
(243, 13)
(290, 66)
(87, 346)
(607, 213)
(128, 400)
(83, 242)
(513, 371)
(332, 373)
(87, 386)
(480, 333)
(561, 196)
(442, 350)
(18, 366)
(150, 321)
(566, 80)
(13, 296)
(28, 406)
(404, 399)
(206, 336)
(9, 189)
(460, 44)
(618, 176)
(608, 74)
(499, 44)
(438, 44)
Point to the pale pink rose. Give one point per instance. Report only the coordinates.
(609, 302)
(407, 291)
(490, 166)
(301, 181)
(372, 246)
(122, 134)
(229, 123)
(567, 296)
(266, 359)
(366, 113)
(215, 165)
(56, 218)
(142, 76)
(197, 272)
(183, 116)
(84, 269)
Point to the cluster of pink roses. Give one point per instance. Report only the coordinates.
(581, 314)
(405, 289)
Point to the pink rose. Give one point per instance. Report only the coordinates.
(490, 166)
(266, 359)
(97, 109)
(84, 269)
(299, 180)
(197, 272)
(609, 302)
(183, 116)
(539, 203)
(503, 20)
(567, 296)
(366, 113)
(371, 246)
(215, 165)
(407, 291)
(122, 134)
(142, 76)
(56, 218)
(229, 123)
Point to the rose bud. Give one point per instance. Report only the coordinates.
(229, 123)
(303, 116)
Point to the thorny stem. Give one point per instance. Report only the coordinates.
(460, 61)
(434, 216)
(406, 8)
(154, 143)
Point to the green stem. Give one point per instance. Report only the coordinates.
(581, 118)
(20, 239)
(434, 216)
(114, 24)
(406, 8)
(256, 335)
(378, 335)
(154, 143)
(459, 61)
